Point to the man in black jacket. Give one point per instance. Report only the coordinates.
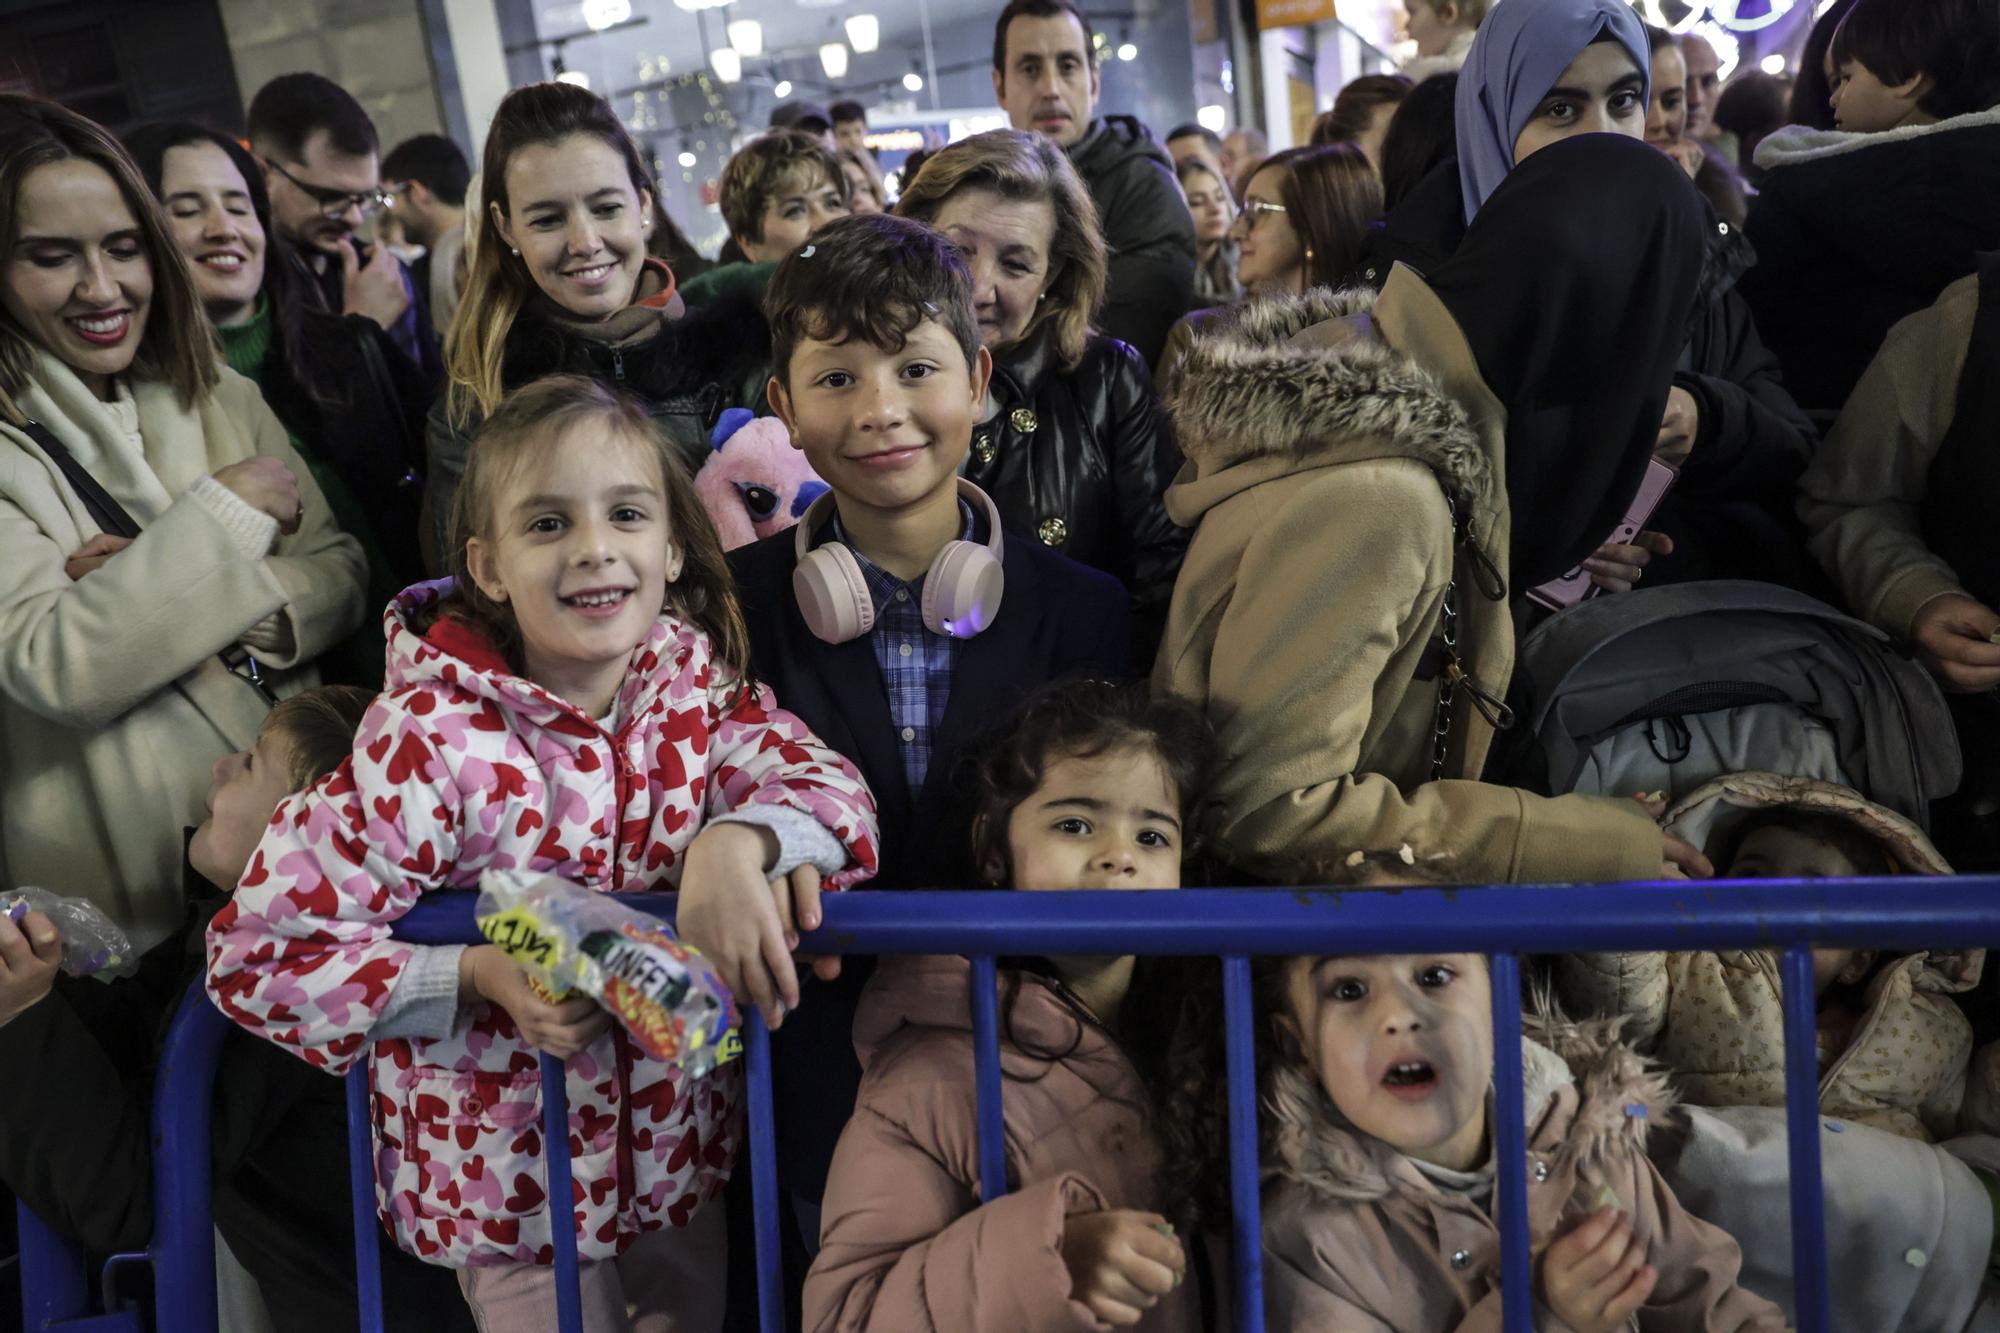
(322, 165)
(1045, 75)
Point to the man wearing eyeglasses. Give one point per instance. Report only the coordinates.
(322, 169)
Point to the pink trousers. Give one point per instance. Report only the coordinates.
(671, 1281)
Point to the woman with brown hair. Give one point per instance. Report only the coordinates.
(1073, 445)
(1214, 210)
(125, 674)
(561, 281)
(1305, 214)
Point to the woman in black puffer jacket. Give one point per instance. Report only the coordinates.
(1074, 446)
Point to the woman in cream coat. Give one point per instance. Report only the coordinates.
(115, 699)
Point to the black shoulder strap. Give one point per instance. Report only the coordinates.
(108, 513)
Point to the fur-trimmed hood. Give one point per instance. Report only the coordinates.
(1796, 144)
(1308, 378)
(1579, 1107)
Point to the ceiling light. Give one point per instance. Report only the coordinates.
(833, 59)
(728, 66)
(1773, 63)
(747, 37)
(692, 5)
(1212, 118)
(575, 77)
(687, 158)
(601, 14)
(914, 81)
(863, 32)
(783, 88)
(1128, 52)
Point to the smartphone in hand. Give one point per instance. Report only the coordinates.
(1575, 586)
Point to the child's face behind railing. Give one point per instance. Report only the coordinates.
(1403, 1044)
(1780, 851)
(1104, 821)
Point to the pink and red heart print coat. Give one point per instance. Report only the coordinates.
(459, 766)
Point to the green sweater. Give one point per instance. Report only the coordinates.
(743, 279)
(357, 659)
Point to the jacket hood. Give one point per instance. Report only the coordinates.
(1797, 144)
(1577, 1104)
(1716, 808)
(1251, 387)
(935, 992)
(1112, 137)
(430, 649)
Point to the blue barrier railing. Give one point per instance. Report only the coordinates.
(1502, 922)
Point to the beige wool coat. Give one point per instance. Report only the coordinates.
(1330, 440)
(1358, 1240)
(113, 705)
(1862, 496)
(1716, 1020)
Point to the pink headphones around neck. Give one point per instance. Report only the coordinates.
(961, 590)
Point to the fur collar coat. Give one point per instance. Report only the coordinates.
(1356, 1237)
(1342, 477)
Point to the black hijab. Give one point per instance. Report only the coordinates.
(1575, 286)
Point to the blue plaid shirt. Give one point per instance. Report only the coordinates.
(916, 663)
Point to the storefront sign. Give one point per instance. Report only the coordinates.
(1294, 13)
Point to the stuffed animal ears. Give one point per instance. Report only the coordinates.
(808, 492)
(732, 420)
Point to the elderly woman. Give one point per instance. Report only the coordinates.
(169, 564)
(1073, 445)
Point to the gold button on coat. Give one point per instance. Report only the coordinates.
(1052, 531)
(1022, 420)
(982, 449)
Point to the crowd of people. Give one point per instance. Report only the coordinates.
(1499, 488)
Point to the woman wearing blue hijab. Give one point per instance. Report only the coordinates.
(1537, 52)
(1545, 70)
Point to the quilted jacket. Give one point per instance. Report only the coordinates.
(1717, 1019)
(463, 765)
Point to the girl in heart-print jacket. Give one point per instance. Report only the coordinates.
(463, 765)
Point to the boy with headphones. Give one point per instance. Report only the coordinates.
(896, 619)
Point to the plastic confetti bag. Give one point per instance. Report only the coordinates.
(572, 940)
(91, 941)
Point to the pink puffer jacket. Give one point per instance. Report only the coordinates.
(905, 1244)
(462, 766)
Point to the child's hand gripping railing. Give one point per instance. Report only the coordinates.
(1236, 925)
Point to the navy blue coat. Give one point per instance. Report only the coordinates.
(1056, 618)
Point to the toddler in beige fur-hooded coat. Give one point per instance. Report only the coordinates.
(1894, 1045)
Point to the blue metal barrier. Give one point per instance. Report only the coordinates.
(1235, 925)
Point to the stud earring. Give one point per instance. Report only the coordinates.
(516, 253)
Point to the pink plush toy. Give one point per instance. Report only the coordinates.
(755, 483)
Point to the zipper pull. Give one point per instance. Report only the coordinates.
(617, 365)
